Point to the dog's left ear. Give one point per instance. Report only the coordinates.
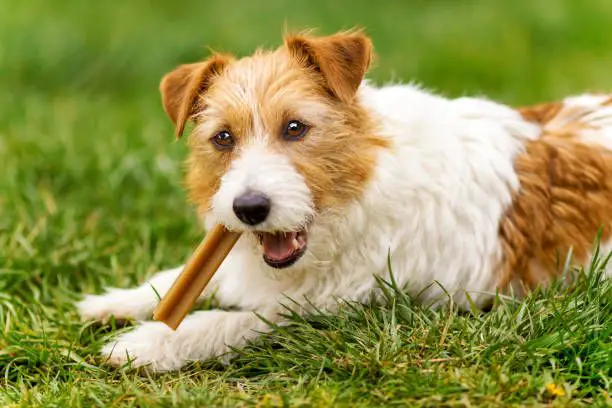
(181, 88)
(342, 58)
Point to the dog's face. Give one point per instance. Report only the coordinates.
(280, 138)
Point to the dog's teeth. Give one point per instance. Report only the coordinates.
(296, 244)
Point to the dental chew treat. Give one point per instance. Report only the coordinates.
(203, 264)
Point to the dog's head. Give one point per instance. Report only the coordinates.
(280, 137)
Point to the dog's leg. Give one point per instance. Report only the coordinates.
(134, 303)
(202, 335)
(138, 303)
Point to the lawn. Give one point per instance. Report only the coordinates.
(91, 195)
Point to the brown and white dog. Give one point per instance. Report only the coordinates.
(328, 175)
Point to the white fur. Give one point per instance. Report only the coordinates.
(597, 118)
(434, 205)
(202, 334)
(259, 169)
(136, 303)
(586, 100)
(605, 249)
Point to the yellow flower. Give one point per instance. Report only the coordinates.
(555, 390)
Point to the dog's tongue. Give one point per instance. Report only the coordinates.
(279, 246)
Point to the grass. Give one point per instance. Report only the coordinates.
(91, 195)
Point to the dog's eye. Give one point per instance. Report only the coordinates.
(295, 130)
(223, 140)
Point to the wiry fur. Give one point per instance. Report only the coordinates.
(437, 184)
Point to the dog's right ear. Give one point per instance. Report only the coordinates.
(181, 88)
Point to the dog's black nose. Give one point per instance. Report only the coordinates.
(252, 207)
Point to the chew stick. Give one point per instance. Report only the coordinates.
(203, 264)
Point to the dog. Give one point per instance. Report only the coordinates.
(335, 181)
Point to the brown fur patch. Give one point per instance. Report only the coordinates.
(342, 58)
(541, 113)
(254, 97)
(336, 168)
(181, 88)
(564, 198)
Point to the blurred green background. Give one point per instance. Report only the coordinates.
(514, 49)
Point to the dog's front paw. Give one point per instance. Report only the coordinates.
(150, 346)
(120, 303)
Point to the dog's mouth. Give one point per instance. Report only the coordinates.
(283, 249)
